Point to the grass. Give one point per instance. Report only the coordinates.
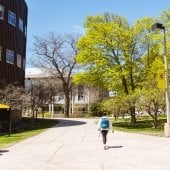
(144, 125)
(25, 129)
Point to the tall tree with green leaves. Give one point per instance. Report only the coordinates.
(111, 52)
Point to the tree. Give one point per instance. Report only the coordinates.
(12, 94)
(113, 106)
(58, 53)
(151, 101)
(111, 52)
(37, 97)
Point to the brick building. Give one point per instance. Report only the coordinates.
(13, 30)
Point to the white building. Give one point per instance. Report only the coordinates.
(80, 97)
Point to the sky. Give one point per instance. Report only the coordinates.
(68, 16)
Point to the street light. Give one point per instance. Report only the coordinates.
(159, 26)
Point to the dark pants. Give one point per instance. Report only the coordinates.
(104, 135)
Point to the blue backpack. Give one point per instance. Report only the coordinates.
(104, 123)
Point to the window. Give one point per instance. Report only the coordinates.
(10, 56)
(61, 97)
(11, 18)
(0, 53)
(1, 12)
(80, 93)
(21, 25)
(19, 60)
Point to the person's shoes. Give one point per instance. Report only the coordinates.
(104, 146)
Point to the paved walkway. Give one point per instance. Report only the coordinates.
(75, 145)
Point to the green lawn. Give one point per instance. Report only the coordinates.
(25, 129)
(144, 125)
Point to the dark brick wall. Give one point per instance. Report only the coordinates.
(12, 38)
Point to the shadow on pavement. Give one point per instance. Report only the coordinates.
(3, 151)
(65, 123)
(111, 147)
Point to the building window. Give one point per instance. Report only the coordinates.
(21, 25)
(80, 93)
(11, 18)
(0, 53)
(10, 56)
(1, 12)
(61, 97)
(19, 60)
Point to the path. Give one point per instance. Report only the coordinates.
(75, 145)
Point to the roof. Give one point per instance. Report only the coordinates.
(36, 72)
(40, 72)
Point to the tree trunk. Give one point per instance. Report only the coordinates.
(154, 116)
(123, 115)
(133, 116)
(43, 114)
(67, 105)
(155, 119)
(36, 113)
(115, 117)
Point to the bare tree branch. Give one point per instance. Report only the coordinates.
(58, 53)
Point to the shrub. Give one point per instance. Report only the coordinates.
(95, 109)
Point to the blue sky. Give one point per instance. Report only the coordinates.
(67, 16)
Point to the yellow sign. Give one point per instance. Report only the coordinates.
(161, 79)
(3, 106)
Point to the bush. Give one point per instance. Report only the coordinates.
(95, 109)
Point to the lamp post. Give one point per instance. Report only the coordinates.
(159, 26)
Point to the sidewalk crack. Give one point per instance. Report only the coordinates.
(51, 157)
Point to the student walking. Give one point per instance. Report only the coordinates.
(104, 125)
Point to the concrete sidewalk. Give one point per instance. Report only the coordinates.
(75, 145)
